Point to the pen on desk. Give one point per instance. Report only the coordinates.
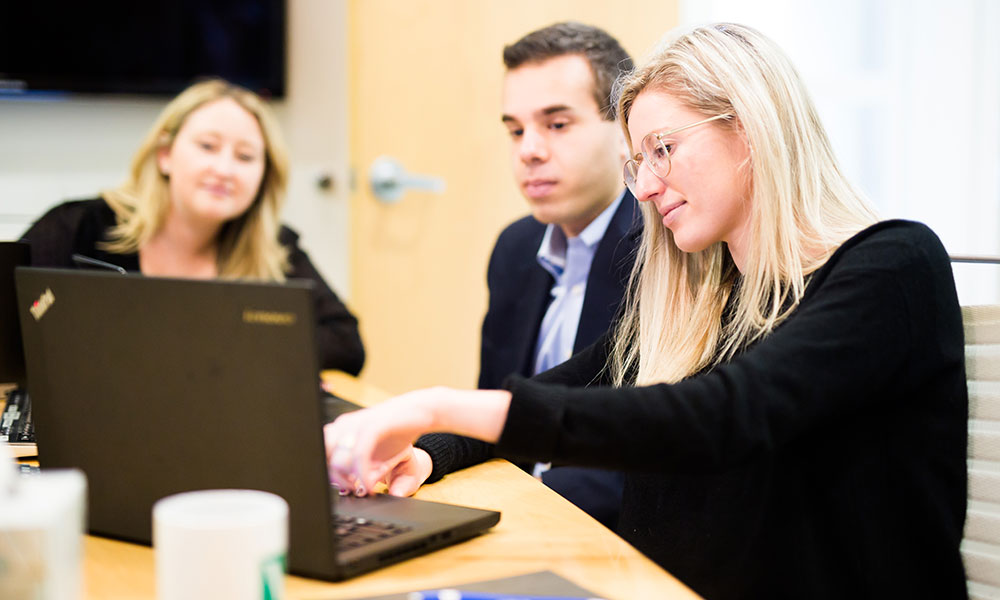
(449, 594)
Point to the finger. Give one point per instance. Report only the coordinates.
(388, 471)
(334, 434)
(341, 460)
(408, 475)
(348, 473)
(341, 485)
(403, 485)
(382, 473)
(329, 436)
(338, 438)
(339, 481)
(342, 482)
(364, 470)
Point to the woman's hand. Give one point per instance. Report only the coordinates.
(409, 473)
(376, 444)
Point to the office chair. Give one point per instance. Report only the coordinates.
(981, 543)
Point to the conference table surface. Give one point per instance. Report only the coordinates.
(538, 530)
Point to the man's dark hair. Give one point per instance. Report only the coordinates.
(605, 55)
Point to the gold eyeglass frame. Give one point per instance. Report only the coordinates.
(632, 165)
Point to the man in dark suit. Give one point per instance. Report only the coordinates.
(556, 278)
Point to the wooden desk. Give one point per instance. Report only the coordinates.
(538, 530)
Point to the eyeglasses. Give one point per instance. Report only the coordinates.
(656, 154)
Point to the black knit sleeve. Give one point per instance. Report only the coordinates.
(880, 324)
(450, 453)
(453, 452)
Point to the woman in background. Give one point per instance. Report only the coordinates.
(203, 201)
(786, 390)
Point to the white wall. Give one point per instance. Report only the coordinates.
(909, 91)
(58, 148)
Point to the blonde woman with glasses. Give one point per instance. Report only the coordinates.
(786, 388)
(202, 200)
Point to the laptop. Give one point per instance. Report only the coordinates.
(155, 386)
(16, 424)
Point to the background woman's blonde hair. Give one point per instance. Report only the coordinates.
(801, 209)
(248, 245)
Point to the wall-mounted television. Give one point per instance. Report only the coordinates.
(141, 46)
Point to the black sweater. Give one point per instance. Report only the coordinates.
(77, 227)
(826, 461)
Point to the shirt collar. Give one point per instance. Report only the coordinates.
(552, 251)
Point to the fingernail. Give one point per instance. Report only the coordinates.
(360, 490)
(344, 491)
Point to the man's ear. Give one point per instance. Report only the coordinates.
(624, 150)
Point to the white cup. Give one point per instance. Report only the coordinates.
(220, 544)
(41, 534)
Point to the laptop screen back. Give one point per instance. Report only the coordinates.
(158, 386)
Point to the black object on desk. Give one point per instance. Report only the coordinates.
(155, 386)
(541, 584)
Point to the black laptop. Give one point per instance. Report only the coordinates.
(156, 386)
(16, 424)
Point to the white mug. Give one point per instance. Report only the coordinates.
(220, 544)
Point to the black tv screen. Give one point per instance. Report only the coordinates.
(141, 46)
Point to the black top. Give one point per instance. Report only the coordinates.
(826, 461)
(77, 227)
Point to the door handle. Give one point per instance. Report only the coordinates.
(389, 180)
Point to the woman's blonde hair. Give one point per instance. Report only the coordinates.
(686, 312)
(248, 245)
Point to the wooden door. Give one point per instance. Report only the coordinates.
(424, 82)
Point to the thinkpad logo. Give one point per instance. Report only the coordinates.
(268, 317)
(40, 306)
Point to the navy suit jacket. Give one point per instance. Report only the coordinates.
(519, 296)
(520, 292)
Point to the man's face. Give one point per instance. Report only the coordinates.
(567, 158)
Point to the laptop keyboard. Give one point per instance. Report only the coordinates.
(334, 406)
(354, 532)
(16, 424)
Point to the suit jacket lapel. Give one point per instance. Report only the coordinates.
(609, 273)
(534, 290)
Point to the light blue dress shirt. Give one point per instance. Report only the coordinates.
(568, 260)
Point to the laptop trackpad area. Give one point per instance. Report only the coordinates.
(410, 511)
